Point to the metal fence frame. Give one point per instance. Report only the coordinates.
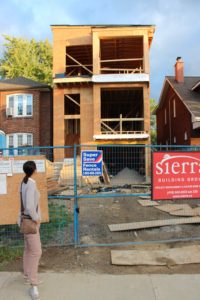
(76, 197)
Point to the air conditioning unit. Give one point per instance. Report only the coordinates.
(9, 111)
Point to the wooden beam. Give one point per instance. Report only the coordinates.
(71, 72)
(120, 123)
(70, 98)
(125, 70)
(80, 64)
(123, 119)
(118, 142)
(108, 127)
(121, 59)
(70, 117)
(71, 66)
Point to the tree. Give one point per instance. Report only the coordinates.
(153, 105)
(28, 58)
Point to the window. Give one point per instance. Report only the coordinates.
(10, 141)
(10, 144)
(11, 102)
(19, 140)
(20, 105)
(165, 116)
(15, 140)
(174, 140)
(174, 108)
(29, 139)
(29, 105)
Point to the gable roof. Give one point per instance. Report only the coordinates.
(190, 98)
(196, 86)
(21, 83)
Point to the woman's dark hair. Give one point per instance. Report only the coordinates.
(29, 168)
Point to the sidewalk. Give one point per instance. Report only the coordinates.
(69, 286)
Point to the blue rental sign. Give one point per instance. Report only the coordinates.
(92, 162)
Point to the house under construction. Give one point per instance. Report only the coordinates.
(101, 86)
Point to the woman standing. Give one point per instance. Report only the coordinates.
(32, 244)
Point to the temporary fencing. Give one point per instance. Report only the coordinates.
(114, 208)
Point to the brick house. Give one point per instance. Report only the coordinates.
(101, 85)
(25, 112)
(178, 111)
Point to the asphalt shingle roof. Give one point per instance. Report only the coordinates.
(189, 97)
(20, 83)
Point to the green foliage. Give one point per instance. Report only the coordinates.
(153, 105)
(27, 58)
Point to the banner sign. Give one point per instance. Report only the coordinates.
(175, 175)
(92, 162)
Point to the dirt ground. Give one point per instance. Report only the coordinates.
(98, 260)
(95, 215)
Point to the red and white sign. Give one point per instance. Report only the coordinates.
(176, 175)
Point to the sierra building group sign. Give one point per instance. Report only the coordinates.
(176, 175)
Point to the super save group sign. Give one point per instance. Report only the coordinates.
(176, 175)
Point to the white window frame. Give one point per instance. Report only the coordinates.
(24, 103)
(15, 139)
(174, 108)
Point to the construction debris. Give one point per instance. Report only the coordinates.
(190, 212)
(148, 202)
(173, 207)
(127, 176)
(174, 256)
(152, 224)
(106, 177)
(184, 210)
(49, 169)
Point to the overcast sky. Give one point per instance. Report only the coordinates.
(177, 26)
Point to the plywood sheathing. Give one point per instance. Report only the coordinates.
(10, 203)
(174, 256)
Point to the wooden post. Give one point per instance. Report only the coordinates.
(96, 53)
(146, 54)
(121, 127)
(146, 105)
(59, 124)
(97, 109)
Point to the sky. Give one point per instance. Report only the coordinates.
(177, 26)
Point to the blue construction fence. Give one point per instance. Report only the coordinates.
(84, 206)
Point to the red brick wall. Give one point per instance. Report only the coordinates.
(46, 119)
(175, 127)
(26, 124)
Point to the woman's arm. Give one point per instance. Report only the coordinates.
(30, 205)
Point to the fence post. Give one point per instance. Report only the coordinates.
(76, 210)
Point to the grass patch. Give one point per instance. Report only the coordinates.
(8, 254)
(60, 219)
(53, 232)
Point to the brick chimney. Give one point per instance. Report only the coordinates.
(179, 70)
